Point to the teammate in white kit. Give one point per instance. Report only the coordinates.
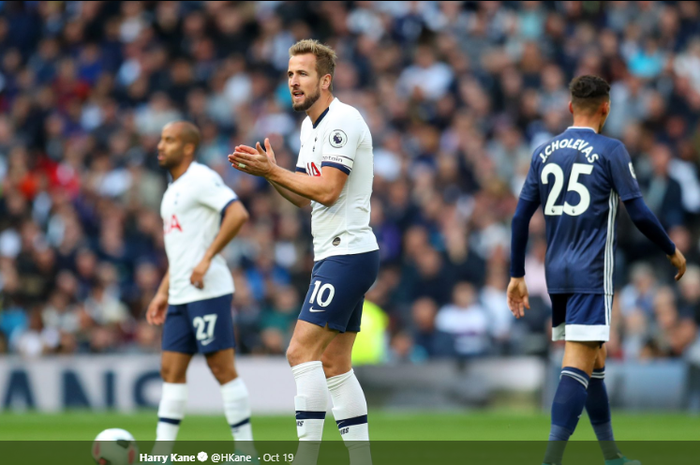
(334, 174)
(200, 216)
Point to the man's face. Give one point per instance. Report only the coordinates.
(304, 81)
(170, 148)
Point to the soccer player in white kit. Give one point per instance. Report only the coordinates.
(200, 216)
(334, 174)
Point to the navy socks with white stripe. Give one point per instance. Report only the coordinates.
(598, 409)
(567, 408)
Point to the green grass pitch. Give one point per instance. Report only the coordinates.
(384, 426)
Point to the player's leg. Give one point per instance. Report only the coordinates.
(311, 402)
(338, 283)
(311, 336)
(178, 347)
(171, 409)
(584, 329)
(349, 403)
(570, 397)
(337, 358)
(213, 325)
(233, 392)
(598, 408)
(308, 343)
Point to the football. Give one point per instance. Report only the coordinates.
(115, 446)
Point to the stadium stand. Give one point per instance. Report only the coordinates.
(457, 94)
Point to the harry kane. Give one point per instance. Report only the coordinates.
(334, 174)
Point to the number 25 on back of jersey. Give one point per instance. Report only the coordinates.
(552, 169)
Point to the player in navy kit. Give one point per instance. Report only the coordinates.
(579, 177)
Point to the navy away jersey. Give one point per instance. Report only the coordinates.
(579, 177)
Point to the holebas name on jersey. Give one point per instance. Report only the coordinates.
(577, 144)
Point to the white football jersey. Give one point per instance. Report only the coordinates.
(341, 139)
(191, 210)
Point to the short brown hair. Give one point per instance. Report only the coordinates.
(588, 92)
(189, 133)
(325, 56)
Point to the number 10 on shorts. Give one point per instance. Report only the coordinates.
(322, 294)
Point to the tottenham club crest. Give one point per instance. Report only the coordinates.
(338, 138)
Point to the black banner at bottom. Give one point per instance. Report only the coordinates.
(335, 453)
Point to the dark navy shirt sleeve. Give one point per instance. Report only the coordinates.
(649, 225)
(520, 229)
(531, 188)
(622, 175)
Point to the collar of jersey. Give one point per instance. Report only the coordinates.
(582, 127)
(318, 121)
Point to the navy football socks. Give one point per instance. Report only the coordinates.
(598, 409)
(569, 401)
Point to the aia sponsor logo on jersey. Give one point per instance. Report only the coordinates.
(172, 225)
(312, 169)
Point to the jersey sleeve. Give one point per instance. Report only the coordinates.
(340, 144)
(622, 175)
(213, 193)
(531, 188)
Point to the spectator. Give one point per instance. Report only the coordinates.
(638, 295)
(35, 340)
(493, 299)
(673, 333)
(662, 193)
(689, 305)
(429, 278)
(427, 78)
(432, 342)
(466, 321)
(283, 311)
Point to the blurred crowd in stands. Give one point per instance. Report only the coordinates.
(457, 95)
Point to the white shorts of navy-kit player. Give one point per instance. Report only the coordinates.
(198, 320)
(581, 317)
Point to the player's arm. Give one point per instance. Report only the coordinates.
(296, 199)
(164, 287)
(324, 189)
(155, 314)
(293, 198)
(517, 293)
(234, 216)
(649, 225)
